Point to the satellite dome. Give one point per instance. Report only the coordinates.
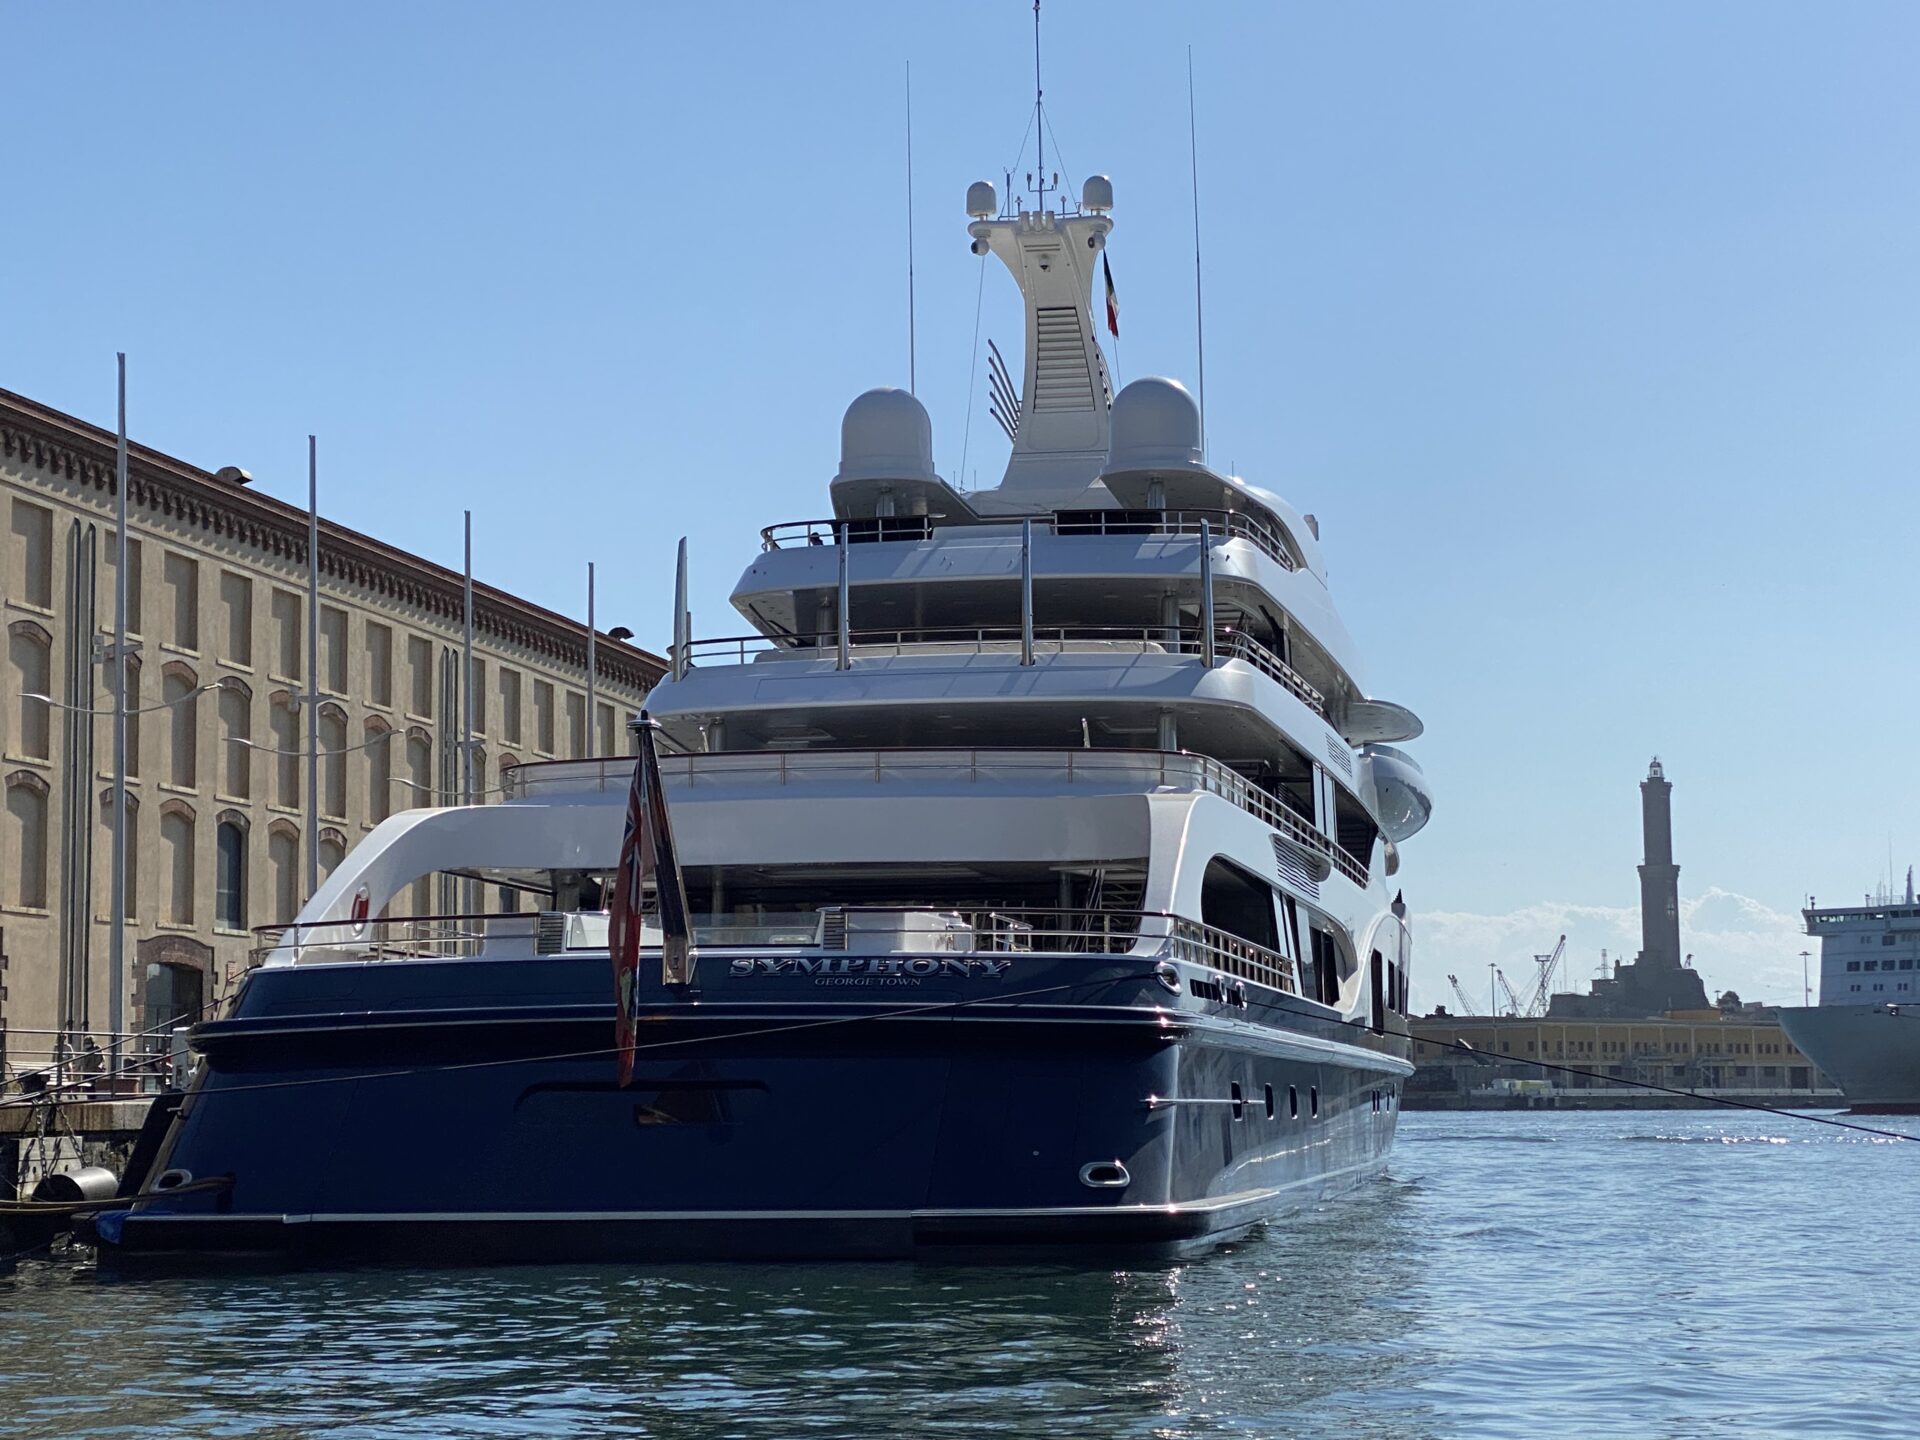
(1155, 426)
(886, 435)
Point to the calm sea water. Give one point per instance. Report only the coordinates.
(1515, 1275)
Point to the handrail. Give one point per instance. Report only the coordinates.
(1080, 931)
(1229, 641)
(1209, 945)
(1170, 769)
(1264, 534)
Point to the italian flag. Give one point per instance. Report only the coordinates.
(1113, 300)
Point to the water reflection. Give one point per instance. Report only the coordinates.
(1313, 1310)
(1518, 1276)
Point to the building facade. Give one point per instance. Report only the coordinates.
(1739, 1051)
(218, 699)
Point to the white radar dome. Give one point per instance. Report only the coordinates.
(886, 435)
(1097, 194)
(982, 202)
(1155, 426)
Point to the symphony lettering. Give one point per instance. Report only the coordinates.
(853, 969)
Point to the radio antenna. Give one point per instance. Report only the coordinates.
(913, 351)
(1199, 311)
(1039, 124)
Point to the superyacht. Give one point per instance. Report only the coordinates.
(1040, 846)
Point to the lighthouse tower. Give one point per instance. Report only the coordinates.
(1657, 981)
(1659, 876)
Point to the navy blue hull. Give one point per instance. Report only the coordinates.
(1064, 1107)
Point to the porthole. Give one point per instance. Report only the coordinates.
(1239, 1102)
(1269, 1102)
(1293, 1103)
(1313, 1101)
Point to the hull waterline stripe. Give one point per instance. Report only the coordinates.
(1213, 1205)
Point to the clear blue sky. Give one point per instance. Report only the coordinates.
(1591, 333)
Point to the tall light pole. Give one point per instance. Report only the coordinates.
(1806, 986)
(593, 689)
(312, 697)
(117, 919)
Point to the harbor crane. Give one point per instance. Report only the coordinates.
(1543, 991)
(1506, 989)
(1466, 1005)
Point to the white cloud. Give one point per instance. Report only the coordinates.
(1737, 943)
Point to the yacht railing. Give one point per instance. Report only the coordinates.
(1208, 945)
(959, 931)
(1224, 525)
(1113, 769)
(78, 1065)
(1229, 643)
(396, 937)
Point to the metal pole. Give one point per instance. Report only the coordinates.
(846, 635)
(1206, 594)
(680, 625)
(593, 693)
(117, 921)
(1806, 986)
(312, 697)
(466, 665)
(913, 364)
(1026, 592)
(1199, 310)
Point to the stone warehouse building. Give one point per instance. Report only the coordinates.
(217, 594)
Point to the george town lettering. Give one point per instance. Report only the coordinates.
(880, 969)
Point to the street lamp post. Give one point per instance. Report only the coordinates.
(1806, 988)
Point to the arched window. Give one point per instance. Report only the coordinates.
(133, 713)
(419, 767)
(284, 720)
(236, 736)
(333, 761)
(379, 743)
(176, 851)
(183, 725)
(283, 865)
(31, 650)
(27, 839)
(230, 874)
(103, 857)
(333, 849)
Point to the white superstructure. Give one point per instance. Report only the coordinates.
(1865, 1032)
(1870, 952)
(1115, 681)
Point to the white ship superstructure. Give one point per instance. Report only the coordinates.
(1859, 1033)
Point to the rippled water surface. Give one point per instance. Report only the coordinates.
(1514, 1275)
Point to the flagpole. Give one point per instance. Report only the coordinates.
(593, 710)
(117, 916)
(312, 696)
